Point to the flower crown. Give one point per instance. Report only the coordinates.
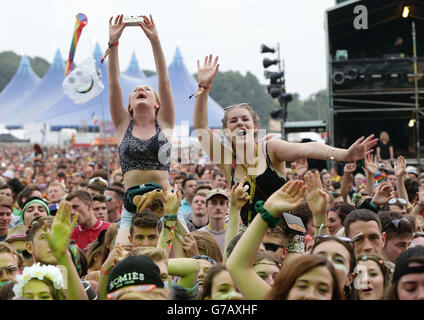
(37, 271)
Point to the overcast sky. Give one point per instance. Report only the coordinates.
(232, 29)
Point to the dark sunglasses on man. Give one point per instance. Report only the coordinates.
(269, 246)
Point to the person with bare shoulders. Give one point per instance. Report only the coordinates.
(143, 129)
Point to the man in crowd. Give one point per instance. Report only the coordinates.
(219, 181)
(5, 217)
(55, 192)
(198, 217)
(114, 203)
(143, 231)
(189, 186)
(217, 208)
(99, 207)
(34, 207)
(89, 226)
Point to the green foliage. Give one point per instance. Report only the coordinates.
(9, 63)
(313, 108)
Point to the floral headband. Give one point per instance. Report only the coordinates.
(37, 271)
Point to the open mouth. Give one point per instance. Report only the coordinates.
(367, 290)
(241, 132)
(141, 95)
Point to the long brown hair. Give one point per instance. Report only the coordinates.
(295, 268)
(207, 245)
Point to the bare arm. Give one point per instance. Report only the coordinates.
(344, 189)
(371, 168)
(186, 269)
(210, 143)
(166, 114)
(400, 172)
(120, 116)
(240, 263)
(288, 151)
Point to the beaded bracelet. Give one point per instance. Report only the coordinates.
(267, 216)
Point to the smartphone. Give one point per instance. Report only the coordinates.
(293, 223)
(133, 21)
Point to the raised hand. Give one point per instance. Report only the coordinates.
(371, 165)
(149, 28)
(383, 193)
(361, 148)
(350, 167)
(301, 167)
(190, 245)
(286, 198)
(239, 195)
(400, 167)
(116, 28)
(117, 254)
(315, 195)
(171, 199)
(58, 236)
(208, 72)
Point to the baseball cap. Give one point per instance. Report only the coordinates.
(134, 271)
(411, 169)
(402, 264)
(214, 192)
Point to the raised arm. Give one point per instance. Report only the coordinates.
(400, 172)
(58, 239)
(118, 112)
(317, 202)
(344, 188)
(239, 197)
(288, 151)
(166, 114)
(371, 167)
(186, 269)
(240, 263)
(210, 143)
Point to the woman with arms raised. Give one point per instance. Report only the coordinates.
(144, 149)
(263, 163)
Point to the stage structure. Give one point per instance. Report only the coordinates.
(376, 72)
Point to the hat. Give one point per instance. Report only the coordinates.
(214, 192)
(134, 270)
(17, 233)
(402, 264)
(9, 174)
(411, 169)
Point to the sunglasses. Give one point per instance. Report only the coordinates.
(25, 254)
(394, 200)
(417, 234)
(271, 246)
(244, 104)
(138, 288)
(396, 222)
(9, 269)
(327, 236)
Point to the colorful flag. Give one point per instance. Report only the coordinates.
(79, 25)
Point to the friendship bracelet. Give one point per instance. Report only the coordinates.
(109, 49)
(267, 216)
(104, 271)
(200, 91)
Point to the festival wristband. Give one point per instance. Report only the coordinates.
(109, 49)
(104, 271)
(199, 91)
(267, 216)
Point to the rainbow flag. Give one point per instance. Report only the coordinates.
(79, 25)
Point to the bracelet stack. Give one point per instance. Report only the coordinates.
(200, 91)
(268, 217)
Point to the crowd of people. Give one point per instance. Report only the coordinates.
(249, 220)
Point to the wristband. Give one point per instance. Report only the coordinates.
(104, 271)
(267, 216)
(109, 49)
(373, 205)
(331, 154)
(199, 91)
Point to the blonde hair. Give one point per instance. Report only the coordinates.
(382, 133)
(255, 116)
(157, 100)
